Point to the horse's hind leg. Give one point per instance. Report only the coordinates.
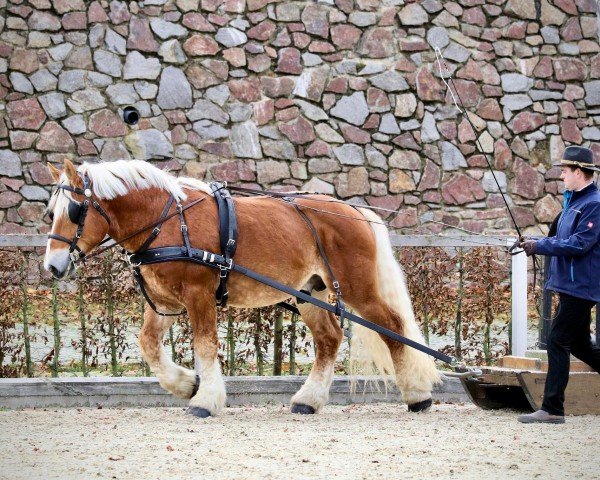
(327, 335)
(177, 380)
(415, 372)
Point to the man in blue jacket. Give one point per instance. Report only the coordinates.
(575, 276)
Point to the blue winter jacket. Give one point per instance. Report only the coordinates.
(575, 250)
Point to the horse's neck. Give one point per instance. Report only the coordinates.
(133, 212)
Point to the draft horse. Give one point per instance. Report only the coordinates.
(122, 197)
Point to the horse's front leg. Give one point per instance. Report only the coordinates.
(180, 381)
(210, 398)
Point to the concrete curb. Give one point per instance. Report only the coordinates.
(146, 392)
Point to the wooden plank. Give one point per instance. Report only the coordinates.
(20, 240)
(448, 241)
(521, 363)
(582, 396)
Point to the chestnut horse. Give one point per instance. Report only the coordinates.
(274, 241)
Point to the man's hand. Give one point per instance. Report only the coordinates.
(528, 247)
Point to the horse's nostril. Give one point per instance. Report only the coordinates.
(55, 272)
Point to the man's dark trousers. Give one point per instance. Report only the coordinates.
(569, 333)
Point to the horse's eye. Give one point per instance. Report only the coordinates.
(50, 215)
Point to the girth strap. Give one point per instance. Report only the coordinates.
(228, 235)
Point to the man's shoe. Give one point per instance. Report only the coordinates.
(541, 416)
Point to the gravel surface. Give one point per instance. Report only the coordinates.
(355, 441)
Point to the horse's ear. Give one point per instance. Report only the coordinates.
(54, 172)
(71, 173)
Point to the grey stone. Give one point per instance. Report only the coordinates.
(244, 140)
(437, 37)
(270, 132)
(537, 95)
(240, 24)
(317, 185)
(122, 94)
(186, 152)
(43, 81)
(113, 149)
(240, 112)
(515, 82)
(328, 134)
(218, 94)
(108, 63)
(516, 102)
(456, 53)
(60, 52)
(20, 83)
(148, 144)
(271, 171)
(363, 19)
(591, 133)
(96, 35)
(592, 92)
(34, 192)
(389, 124)
(282, 149)
(3, 65)
(410, 125)
(346, 67)
(311, 60)
(352, 108)
(488, 183)
(452, 158)
(74, 124)
(550, 35)
(164, 29)
(54, 104)
(310, 111)
(86, 100)
(311, 83)
(204, 109)
(10, 164)
(372, 68)
(70, 81)
(390, 81)
(568, 48)
(429, 131)
(287, 12)
(375, 158)
(96, 79)
(174, 90)
(138, 66)
(171, 52)
(413, 14)
(350, 154)
(230, 37)
(38, 40)
(207, 130)
(145, 110)
(40, 20)
(146, 90)
(114, 42)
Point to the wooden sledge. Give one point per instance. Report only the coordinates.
(518, 384)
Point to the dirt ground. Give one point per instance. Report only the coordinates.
(358, 441)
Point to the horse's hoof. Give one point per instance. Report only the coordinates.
(302, 409)
(423, 406)
(198, 412)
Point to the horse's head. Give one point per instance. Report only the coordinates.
(76, 228)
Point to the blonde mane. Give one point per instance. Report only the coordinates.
(113, 179)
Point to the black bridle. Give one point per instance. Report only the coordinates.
(77, 213)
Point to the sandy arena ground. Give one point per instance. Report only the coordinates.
(358, 441)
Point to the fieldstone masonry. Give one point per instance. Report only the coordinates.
(338, 96)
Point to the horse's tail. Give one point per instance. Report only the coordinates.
(368, 350)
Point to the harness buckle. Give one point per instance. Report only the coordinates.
(230, 242)
(184, 228)
(226, 268)
(336, 285)
(156, 231)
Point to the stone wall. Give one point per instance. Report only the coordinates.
(337, 96)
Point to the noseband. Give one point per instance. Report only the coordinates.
(77, 213)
